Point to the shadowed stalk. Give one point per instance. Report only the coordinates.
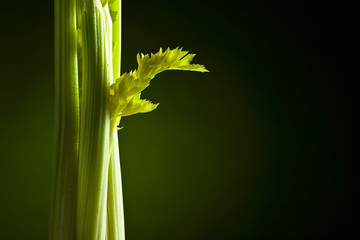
(64, 190)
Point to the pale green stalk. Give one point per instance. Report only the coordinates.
(116, 228)
(63, 205)
(115, 12)
(94, 126)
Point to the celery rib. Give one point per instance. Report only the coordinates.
(63, 210)
(94, 128)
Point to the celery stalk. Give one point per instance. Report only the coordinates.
(64, 193)
(115, 13)
(94, 126)
(116, 228)
(90, 99)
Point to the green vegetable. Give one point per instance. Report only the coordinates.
(87, 194)
(67, 121)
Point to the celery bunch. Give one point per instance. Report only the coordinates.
(90, 99)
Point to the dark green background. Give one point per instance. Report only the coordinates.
(255, 149)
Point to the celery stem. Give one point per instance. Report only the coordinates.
(115, 200)
(94, 127)
(64, 190)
